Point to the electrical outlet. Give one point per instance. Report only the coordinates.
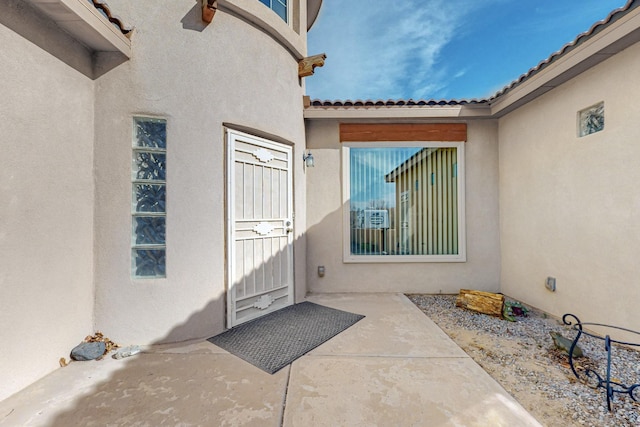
(550, 284)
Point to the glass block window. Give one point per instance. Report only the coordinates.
(591, 120)
(278, 6)
(149, 191)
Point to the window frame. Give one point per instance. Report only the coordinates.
(287, 7)
(348, 257)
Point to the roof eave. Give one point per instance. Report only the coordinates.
(399, 113)
(99, 31)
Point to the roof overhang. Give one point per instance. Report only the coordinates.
(401, 113)
(313, 9)
(85, 23)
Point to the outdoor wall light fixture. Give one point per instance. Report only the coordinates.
(308, 159)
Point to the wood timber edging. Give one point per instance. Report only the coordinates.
(367, 132)
(481, 302)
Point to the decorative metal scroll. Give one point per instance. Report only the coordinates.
(263, 228)
(263, 155)
(603, 381)
(263, 302)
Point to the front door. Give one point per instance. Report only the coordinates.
(259, 227)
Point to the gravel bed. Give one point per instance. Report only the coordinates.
(521, 356)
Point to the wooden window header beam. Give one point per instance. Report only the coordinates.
(351, 132)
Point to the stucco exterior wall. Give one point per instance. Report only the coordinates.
(325, 224)
(569, 206)
(46, 193)
(199, 78)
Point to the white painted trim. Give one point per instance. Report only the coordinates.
(229, 239)
(290, 13)
(346, 220)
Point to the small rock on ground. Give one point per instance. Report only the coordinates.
(88, 351)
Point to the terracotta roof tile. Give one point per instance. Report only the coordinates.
(106, 11)
(391, 103)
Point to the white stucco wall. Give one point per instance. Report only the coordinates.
(325, 219)
(569, 206)
(46, 197)
(198, 78)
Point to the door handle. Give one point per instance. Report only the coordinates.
(288, 227)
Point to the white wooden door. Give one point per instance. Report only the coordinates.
(259, 227)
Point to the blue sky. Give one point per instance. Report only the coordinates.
(439, 49)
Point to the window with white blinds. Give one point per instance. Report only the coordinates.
(404, 202)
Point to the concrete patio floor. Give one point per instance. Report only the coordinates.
(393, 368)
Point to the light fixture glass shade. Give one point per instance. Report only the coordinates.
(308, 160)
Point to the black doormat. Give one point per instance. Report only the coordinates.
(273, 341)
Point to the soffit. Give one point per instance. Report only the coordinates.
(313, 8)
(90, 22)
(397, 109)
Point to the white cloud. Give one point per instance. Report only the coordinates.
(377, 47)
